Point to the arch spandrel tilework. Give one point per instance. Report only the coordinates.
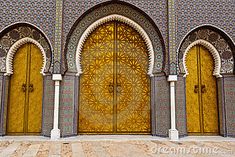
(82, 25)
(216, 40)
(193, 13)
(14, 33)
(115, 17)
(37, 12)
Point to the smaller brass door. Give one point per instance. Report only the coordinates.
(25, 92)
(201, 93)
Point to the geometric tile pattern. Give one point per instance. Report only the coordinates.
(229, 98)
(48, 105)
(220, 43)
(36, 12)
(161, 105)
(68, 112)
(17, 32)
(192, 13)
(58, 35)
(106, 10)
(172, 36)
(180, 106)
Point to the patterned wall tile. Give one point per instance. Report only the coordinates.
(37, 12)
(172, 37)
(220, 43)
(162, 105)
(229, 92)
(4, 102)
(123, 10)
(20, 32)
(181, 106)
(48, 106)
(68, 106)
(73, 9)
(157, 11)
(192, 13)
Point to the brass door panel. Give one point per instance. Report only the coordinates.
(16, 109)
(114, 86)
(133, 93)
(209, 93)
(201, 93)
(35, 88)
(25, 92)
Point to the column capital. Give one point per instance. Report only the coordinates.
(172, 78)
(57, 77)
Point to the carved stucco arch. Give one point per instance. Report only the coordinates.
(123, 19)
(15, 47)
(212, 50)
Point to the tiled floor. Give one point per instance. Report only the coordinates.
(116, 146)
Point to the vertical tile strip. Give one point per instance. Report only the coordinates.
(58, 35)
(172, 36)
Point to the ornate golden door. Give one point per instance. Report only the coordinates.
(201, 93)
(114, 86)
(25, 92)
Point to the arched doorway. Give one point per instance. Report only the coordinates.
(201, 93)
(114, 95)
(25, 92)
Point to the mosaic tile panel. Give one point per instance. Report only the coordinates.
(229, 92)
(192, 13)
(221, 45)
(73, 10)
(180, 106)
(157, 11)
(4, 99)
(162, 105)
(172, 36)
(37, 12)
(114, 9)
(48, 106)
(12, 36)
(58, 35)
(221, 108)
(68, 106)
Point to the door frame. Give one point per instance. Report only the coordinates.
(147, 75)
(150, 50)
(216, 72)
(5, 78)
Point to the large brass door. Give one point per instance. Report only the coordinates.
(201, 93)
(25, 92)
(114, 86)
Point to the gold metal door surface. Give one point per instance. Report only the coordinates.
(201, 93)
(114, 86)
(25, 92)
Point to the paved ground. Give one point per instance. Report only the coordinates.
(116, 146)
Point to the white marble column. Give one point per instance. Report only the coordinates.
(173, 132)
(55, 132)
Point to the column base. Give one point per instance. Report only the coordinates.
(173, 134)
(55, 134)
